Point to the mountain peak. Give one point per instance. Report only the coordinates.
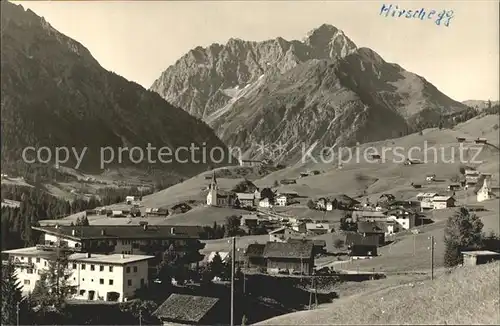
(330, 41)
(324, 29)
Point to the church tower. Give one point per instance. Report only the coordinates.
(212, 192)
(484, 192)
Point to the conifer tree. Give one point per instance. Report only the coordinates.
(11, 295)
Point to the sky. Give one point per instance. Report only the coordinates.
(140, 39)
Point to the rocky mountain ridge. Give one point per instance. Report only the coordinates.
(323, 90)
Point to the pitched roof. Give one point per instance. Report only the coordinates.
(370, 227)
(184, 307)
(368, 214)
(360, 240)
(245, 196)
(123, 231)
(315, 242)
(255, 250)
(443, 198)
(302, 249)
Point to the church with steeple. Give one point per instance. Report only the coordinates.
(218, 197)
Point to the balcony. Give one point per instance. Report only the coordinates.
(53, 247)
(19, 263)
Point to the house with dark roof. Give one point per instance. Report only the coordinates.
(318, 244)
(184, 309)
(362, 246)
(254, 256)
(294, 257)
(373, 228)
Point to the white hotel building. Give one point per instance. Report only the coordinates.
(113, 277)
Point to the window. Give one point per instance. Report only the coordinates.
(142, 282)
(92, 267)
(92, 280)
(128, 269)
(101, 268)
(83, 266)
(38, 260)
(45, 263)
(101, 281)
(30, 270)
(74, 266)
(22, 258)
(110, 268)
(129, 282)
(83, 280)
(26, 282)
(110, 282)
(135, 269)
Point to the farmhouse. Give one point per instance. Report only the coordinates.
(265, 203)
(132, 199)
(362, 246)
(471, 176)
(289, 256)
(426, 200)
(479, 257)
(404, 217)
(318, 245)
(250, 220)
(281, 200)
(283, 234)
(288, 181)
(416, 185)
(185, 309)
(250, 163)
(156, 211)
(373, 228)
(254, 256)
(411, 162)
(113, 277)
(245, 199)
(481, 140)
(441, 202)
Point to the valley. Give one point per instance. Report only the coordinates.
(361, 193)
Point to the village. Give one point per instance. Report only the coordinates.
(113, 262)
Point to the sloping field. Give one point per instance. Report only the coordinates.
(467, 296)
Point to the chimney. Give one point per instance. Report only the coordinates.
(57, 226)
(123, 255)
(73, 232)
(89, 255)
(172, 230)
(103, 232)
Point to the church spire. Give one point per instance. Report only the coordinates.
(213, 184)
